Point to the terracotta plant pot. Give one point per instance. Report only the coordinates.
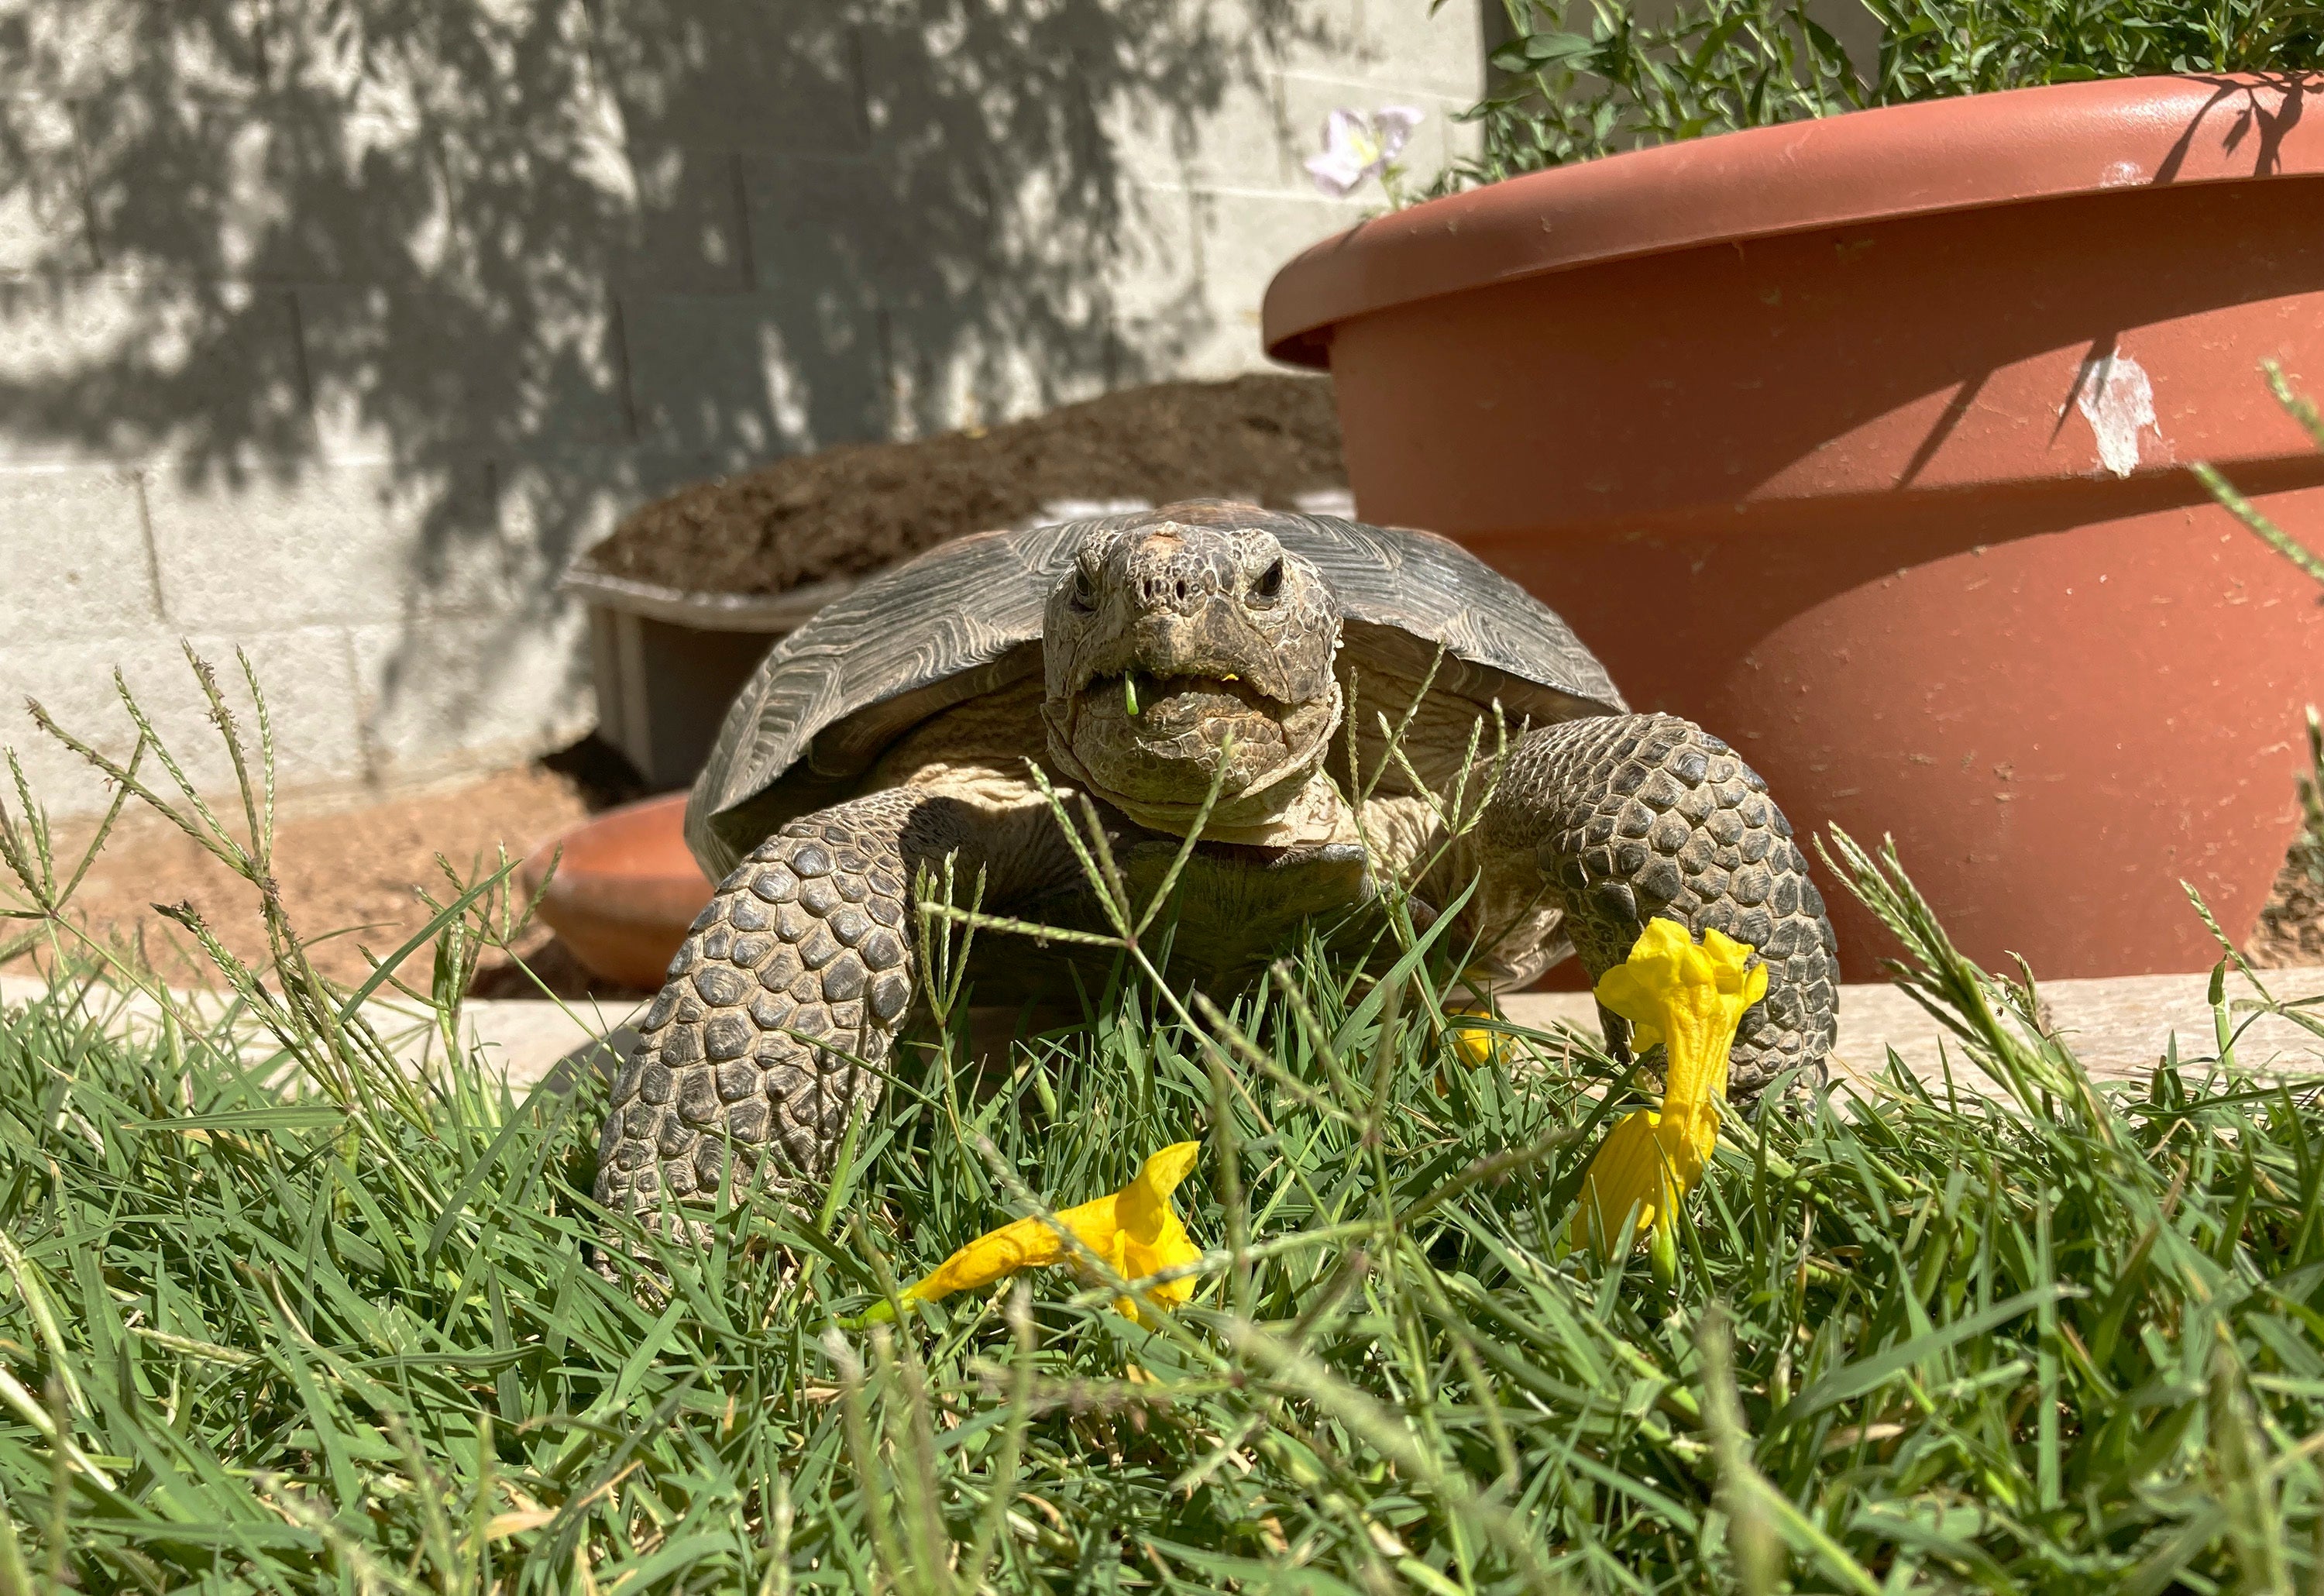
(625, 891)
(1863, 441)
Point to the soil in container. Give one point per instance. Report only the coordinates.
(853, 508)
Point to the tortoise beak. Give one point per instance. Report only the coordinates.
(1217, 641)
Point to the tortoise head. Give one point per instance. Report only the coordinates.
(1183, 642)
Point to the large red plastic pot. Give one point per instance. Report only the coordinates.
(1863, 441)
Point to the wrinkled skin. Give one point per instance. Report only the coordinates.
(1189, 643)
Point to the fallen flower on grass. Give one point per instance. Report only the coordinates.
(1478, 1046)
(1136, 1230)
(1689, 999)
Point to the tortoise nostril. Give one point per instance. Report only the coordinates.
(1182, 588)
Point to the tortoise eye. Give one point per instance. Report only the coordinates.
(1270, 582)
(1084, 588)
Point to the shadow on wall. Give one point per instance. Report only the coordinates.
(523, 263)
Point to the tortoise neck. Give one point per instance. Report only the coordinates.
(1297, 815)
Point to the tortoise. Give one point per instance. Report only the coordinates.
(1139, 659)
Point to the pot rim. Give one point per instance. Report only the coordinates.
(1968, 152)
(774, 614)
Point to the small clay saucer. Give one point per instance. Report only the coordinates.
(625, 892)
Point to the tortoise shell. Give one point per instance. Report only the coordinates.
(965, 619)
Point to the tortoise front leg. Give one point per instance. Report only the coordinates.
(1632, 817)
(801, 966)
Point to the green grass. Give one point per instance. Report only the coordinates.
(353, 1341)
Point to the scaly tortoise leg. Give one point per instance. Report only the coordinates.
(1631, 816)
(801, 966)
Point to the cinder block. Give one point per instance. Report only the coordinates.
(489, 211)
(43, 219)
(307, 544)
(77, 563)
(685, 231)
(73, 48)
(107, 369)
(969, 303)
(956, 372)
(306, 140)
(855, 225)
(778, 74)
(879, 269)
(189, 185)
(552, 506)
(422, 373)
(1187, 296)
(1234, 134)
(473, 691)
(1246, 240)
(64, 50)
(257, 186)
(517, 64)
(1445, 52)
(307, 674)
(745, 379)
(1396, 44)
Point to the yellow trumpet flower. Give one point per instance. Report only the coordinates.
(1689, 999)
(1476, 1046)
(1136, 1230)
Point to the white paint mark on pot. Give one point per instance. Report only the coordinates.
(2115, 396)
(2122, 174)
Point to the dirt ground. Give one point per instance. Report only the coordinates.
(857, 507)
(351, 871)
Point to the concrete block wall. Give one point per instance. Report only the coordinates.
(332, 334)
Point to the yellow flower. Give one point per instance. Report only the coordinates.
(1689, 999)
(1476, 1046)
(1135, 1231)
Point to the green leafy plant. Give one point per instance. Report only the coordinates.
(1573, 83)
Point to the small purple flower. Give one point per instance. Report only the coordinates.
(1357, 145)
